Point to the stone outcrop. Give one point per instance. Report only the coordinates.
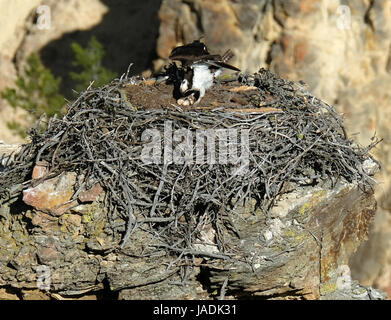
(341, 52)
(21, 36)
(300, 251)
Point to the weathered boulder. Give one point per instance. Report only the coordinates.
(300, 251)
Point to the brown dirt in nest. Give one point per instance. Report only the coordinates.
(232, 95)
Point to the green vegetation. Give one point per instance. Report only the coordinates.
(38, 92)
(17, 128)
(89, 62)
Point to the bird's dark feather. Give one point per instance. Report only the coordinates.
(196, 48)
(196, 52)
(228, 55)
(194, 57)
(220, 64)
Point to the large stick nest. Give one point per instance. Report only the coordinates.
(294, 138)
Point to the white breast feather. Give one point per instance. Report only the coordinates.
(203, 78)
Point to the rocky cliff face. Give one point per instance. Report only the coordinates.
(342, 52)
(20, 36)
(344, 58)
(120, 25)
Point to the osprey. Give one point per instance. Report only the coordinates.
(200, 69)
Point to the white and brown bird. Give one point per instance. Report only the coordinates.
(200, 69)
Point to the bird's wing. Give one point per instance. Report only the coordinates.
(220, 64)
(196, 52)
(191, 59)
(194, 49)
(228, 55)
